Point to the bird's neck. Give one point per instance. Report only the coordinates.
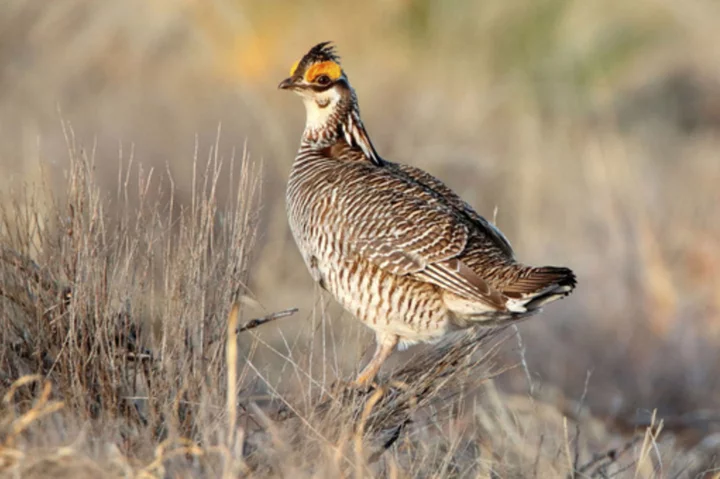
(339, 123)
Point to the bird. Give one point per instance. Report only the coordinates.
(395, 246)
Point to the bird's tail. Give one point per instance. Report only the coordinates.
(528, 290)
(536, 287)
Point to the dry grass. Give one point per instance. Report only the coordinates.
(591, 129)
(119, 361)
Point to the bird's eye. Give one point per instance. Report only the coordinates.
(323, 80)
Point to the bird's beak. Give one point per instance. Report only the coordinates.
(286, 84)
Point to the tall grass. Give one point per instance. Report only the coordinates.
(108, 308)
(121, 357)
(590, 130)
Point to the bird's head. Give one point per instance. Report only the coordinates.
(317, 74)
(319, 79)
(330, 102)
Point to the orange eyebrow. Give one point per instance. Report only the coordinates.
(294, 67)
(329, 68)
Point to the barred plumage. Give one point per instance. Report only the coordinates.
(394, 245)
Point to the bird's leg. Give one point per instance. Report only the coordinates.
(383, 349)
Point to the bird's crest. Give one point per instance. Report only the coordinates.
(322, 59)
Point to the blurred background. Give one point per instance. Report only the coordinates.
(589, 130)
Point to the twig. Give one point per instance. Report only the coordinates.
(254, 323)
(611, 456)
(649, 442)
(622, 470)
(567, 448)
(581, 404)
(537, 455)
(523, 360)
(231, 360)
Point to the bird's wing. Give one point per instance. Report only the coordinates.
(489, 230)
(406, 230)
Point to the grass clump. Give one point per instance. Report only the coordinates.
(121, 357)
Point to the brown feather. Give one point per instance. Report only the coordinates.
(394, 245)
(533, 280)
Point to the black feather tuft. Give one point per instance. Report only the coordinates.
(322, 52)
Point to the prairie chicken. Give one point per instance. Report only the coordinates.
(395, 246)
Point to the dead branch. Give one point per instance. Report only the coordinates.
(606, 458)
(254, 323)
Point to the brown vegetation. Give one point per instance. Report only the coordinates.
(126, 239)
